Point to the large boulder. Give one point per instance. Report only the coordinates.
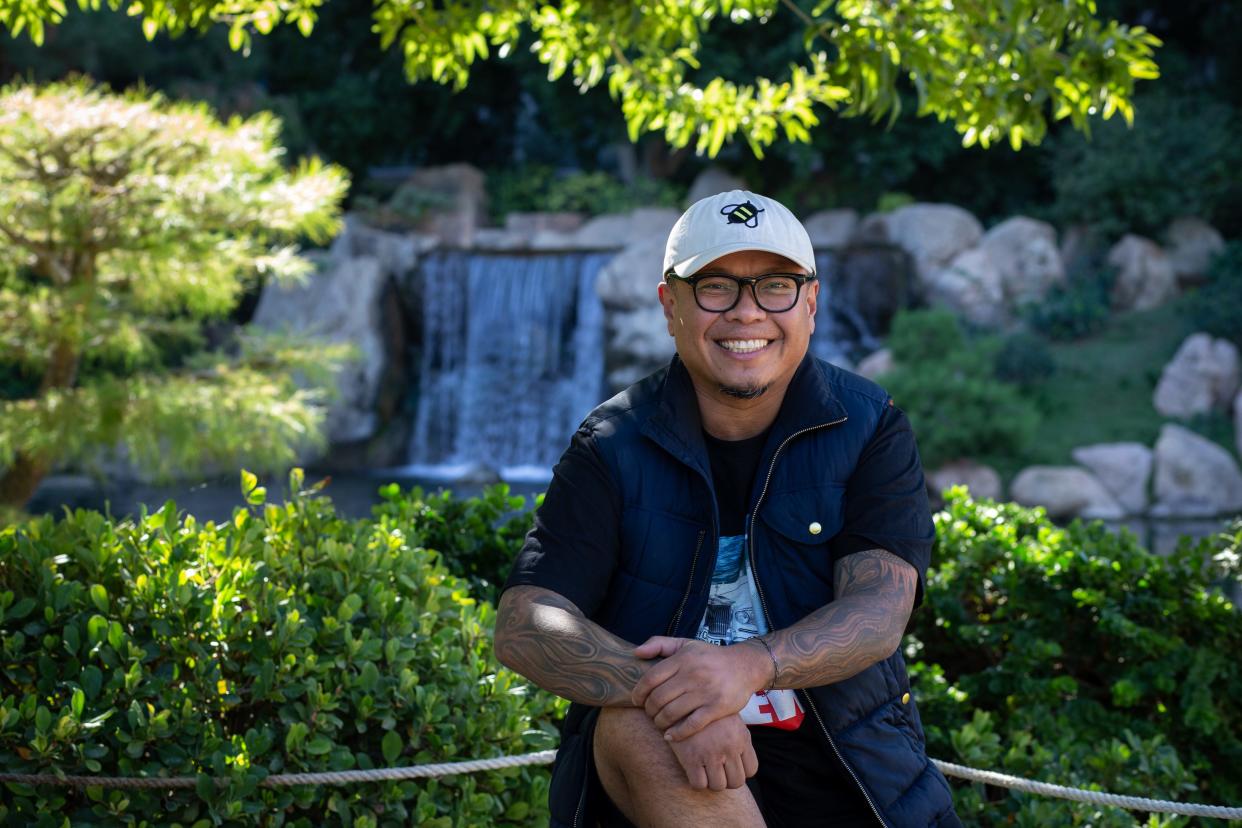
(1145, 277)
(1237, 421)
(528, 225)
(461, 191)
(630, 281)
(397, 253)
(340, 302)
(982, 481)
(1123, 468)
(638, 344)
(933, 234)
(831, 229)
(1066, 492)
(711, 181)
(1192, 243)
(970, 286)
(1194, 476)
(1201, 377)
(618, 230)
(1026, 257)
(875, 281)
(875, 364)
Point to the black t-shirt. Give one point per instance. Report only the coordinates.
(734, 463)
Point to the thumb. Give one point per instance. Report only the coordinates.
(659, 646)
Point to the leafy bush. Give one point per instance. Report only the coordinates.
(1177, 160)
(1073, 656)
(1077, 308)
(537, 187)
(1023, 359)
(946, 385)
(1216, 306)
(286, 639)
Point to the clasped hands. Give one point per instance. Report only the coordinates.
(693, 695)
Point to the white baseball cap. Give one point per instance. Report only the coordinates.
(737, 220)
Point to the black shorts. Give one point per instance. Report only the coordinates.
(800, 784)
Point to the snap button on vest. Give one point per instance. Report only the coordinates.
(815, 528)
(905, 698)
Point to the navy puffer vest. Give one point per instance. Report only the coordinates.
(650, 438)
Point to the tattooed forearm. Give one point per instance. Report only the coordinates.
(874, 595)
(543, 636)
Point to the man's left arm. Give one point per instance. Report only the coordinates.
(875, 592)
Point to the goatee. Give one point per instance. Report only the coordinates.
(748, 393)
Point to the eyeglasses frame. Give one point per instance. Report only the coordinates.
(742, 281)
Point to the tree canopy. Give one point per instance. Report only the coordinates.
(996, 69)
(125, 221)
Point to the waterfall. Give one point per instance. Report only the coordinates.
(839, 328)
(512, 359)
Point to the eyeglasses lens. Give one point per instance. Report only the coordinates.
(774, 294)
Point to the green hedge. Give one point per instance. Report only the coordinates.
(1072, 655)
(287, 639)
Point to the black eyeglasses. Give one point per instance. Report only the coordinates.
(720, 292)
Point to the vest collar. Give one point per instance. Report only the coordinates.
(677, 425)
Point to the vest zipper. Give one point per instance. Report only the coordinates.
(672, 626)
(763, 601)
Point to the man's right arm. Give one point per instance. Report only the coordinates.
(545, 637)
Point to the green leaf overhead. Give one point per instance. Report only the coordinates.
(998, 70)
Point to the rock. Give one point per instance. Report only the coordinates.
(933, 234)
(875, 281)
(640, 337)
(1145, 277)
(339, 303)
(1066, 492)
(831, 228)
(630, 281)
(711, 181)
(875, 364)
(463, 190)
(1123, 468)
(983, 481)
(970, 286)
(1026, 257)
(1194, 476)
(528, 224)
(1202, 376)
(618, 230)
(397, 253)
(1237, 421)
(499, 239)
(1191, 244)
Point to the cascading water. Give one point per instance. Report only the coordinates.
(512, 360)
(838, 327)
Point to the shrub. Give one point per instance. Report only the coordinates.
(537, 187)
(946, 385)
(286, 639)
(1216, 306)
(1075, 309)
(1073, 656)
(1024, 360)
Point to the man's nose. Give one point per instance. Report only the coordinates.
(747, 308)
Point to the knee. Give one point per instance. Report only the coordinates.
(628, 741)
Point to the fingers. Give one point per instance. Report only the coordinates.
(697, 777)
(750, 761)
(664, 714)
(658, 646)
(652, 679)
(735, 773)
(692, 724)
(717, 779)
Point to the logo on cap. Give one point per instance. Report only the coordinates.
(744, 213)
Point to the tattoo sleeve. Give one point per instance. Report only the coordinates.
(545, 637)
(874, 594)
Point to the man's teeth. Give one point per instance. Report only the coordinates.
(743, 346)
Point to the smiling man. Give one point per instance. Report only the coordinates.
(724, 564)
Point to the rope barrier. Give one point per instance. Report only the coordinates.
(544, 757)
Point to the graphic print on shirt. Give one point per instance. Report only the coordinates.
(735, 614)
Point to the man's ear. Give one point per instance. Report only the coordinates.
(812, 301)
(669, 302)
